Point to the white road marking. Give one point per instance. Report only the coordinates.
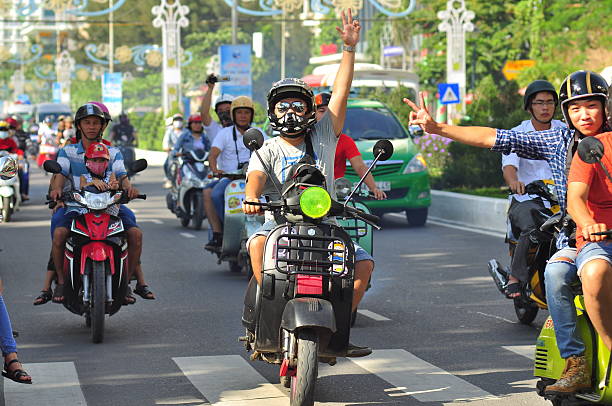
(372, 315)
(497, 317)
(54, 384)
(154, 221)
(417, 378)
(527, 351)
(187, 235)
(457, 227)
(229, 380)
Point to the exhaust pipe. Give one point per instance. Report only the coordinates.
(499, 275)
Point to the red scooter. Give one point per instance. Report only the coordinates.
(96, 256)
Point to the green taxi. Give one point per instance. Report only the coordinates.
(404, 177)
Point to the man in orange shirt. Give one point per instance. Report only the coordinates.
(589, 195)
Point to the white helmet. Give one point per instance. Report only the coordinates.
(224, 98)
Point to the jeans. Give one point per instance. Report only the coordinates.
(7, 342)
(560, 273)
(62, 219)
(24, 182)
(218, 196)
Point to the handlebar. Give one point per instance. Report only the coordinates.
(607, 233)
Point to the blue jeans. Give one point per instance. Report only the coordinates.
(7, 342)
(560, 273)
(218, 196)
(62, 219)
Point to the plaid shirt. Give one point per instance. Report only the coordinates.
(72, 160)
(550, 145)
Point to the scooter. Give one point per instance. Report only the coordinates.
(548, 362)
(96, 254)
(185, 199)
(543, 246)
(10, 199)
(301, 313)
(235, 224)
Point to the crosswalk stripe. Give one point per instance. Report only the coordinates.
(372, 315)
(417, 378)
(527, 351)
(230, 380)
(54, 384)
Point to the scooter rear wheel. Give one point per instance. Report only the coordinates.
(303, 383)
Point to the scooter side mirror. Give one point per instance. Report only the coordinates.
(8, 168)
(384, 147)
(590, 150)
(138, 165)
(52, 167)
(253, 139)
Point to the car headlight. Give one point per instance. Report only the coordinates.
(416, 164)
(315, 202)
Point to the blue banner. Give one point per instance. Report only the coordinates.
(235, 61)
(57, 92)
(112, 92)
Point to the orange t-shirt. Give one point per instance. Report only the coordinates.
(599, 201)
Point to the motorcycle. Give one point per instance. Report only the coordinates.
(96, 254)
(542, 247)
(236, 226)
(129, 155)
(548, 364)
(301, 313)
(185, 199)
(10, 199)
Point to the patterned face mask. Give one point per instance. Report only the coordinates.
(97, 168)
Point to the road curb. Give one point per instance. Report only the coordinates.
(485, 213)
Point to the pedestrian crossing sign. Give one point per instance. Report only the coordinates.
(449, 93)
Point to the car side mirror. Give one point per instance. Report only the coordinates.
(253, 139)
(384, 148)
(416, 131)
(138, 165)
(52, 167)
(8, 168)
(590, 150)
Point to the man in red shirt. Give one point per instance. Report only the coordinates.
(589, 199)
(346, 149)
(7, 143)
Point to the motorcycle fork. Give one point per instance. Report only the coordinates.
(289, 348)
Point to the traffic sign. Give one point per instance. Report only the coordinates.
(512, 68)
(449, 93)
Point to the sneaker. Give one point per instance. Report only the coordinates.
(575, 377)
(354, 351)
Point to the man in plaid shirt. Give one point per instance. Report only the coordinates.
(556, 146)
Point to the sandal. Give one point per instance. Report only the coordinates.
(16, 374)
(144, 292)
(44, 297)
(513, 289)
(58, 295)
(129, 298)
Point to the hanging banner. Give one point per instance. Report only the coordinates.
(235, 62)
(57, 92)
(112, 92)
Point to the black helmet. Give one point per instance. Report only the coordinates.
(322, 99)
(291, 88)
(609, 107)
(536, 87)
(87, 110)
(579, 85)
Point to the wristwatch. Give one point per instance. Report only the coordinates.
(348, 48)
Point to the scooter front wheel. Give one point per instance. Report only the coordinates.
(526, 311)
(98, 301)
(198, 210)
(303, 382)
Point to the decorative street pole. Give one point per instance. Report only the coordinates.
(170, 16)
(456, 20)
(64, 66)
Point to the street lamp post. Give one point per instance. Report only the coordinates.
(170, 16)
(64, 66)
(456, 20)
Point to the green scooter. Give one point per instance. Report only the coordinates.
(548, 362)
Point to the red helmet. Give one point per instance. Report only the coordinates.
(12, 122)
(97, 150)
(193, 118)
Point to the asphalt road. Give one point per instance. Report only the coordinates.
(441, 332)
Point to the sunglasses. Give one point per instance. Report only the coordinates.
(296, 106)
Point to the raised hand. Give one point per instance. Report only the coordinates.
(350, 29)
(420, 116)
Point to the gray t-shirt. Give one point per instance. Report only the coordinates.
(279, 156)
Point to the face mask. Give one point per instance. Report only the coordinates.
(177, 124)
(4, 135)
(97, 168)
(226, 119)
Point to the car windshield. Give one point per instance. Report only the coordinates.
(372, 123)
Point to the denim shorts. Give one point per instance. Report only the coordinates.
(264, 230)
(594, 250)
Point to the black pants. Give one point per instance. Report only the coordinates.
(525, 217)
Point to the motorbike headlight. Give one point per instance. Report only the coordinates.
(315, 202)
(416, 164)
(97, 201)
